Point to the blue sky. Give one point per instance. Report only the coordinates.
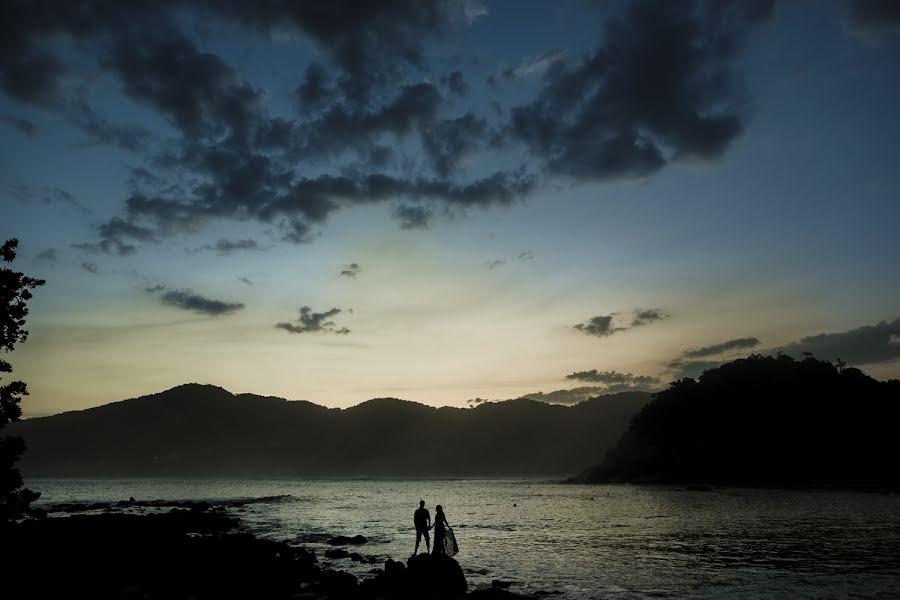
(672, 177)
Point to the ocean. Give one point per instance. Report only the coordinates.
(574, 541)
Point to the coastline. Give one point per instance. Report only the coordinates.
(193, 549)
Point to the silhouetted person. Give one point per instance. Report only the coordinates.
(422, 521)
(440, 530)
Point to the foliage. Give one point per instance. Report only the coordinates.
(764, 420)
(15, 292)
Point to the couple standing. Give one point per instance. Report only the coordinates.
(444, 541)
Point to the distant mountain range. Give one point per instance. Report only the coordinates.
(205, 431)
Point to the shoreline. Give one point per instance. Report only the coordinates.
(193, 549)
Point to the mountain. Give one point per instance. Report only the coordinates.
(763, 420)
(202, 430)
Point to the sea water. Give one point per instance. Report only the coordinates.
(602, 541)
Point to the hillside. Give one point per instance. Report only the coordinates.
(763, 420)
(200, 430)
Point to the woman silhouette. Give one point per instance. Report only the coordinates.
(444, 541)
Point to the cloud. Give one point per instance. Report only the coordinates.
(646, 316)
(567, 397)
(493, 264)
(866, 345)
(156, 288)
(601, 326)
(614, 378)
(50, 255)
(24, 126)
(455, 83)
(225, 247)
(310, 322)
(662, 88)
(713, 350)
(351, 270)
(870, 344)
(527, 255)
(90, 267)
(370, 122)
(681, 368)
(188, 300)
(874, 16)
(245, 280)
(448, 141)
(692, 363)
(413, 217)
(530, 67)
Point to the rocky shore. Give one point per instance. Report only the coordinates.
(194, 550)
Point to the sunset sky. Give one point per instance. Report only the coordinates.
(443, 201)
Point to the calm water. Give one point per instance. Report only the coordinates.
(586, 542)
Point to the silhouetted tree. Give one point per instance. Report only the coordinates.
(15, 291)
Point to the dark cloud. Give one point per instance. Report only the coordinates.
(448, 141)
(526, 255)
(493, 264)
(875, 16)
(316, 90)
(866, 345)
(245, 280)
(90, 267)
(661, 88)
(197, 91)
(50, 254)
(52, 195)
(682, 368)
(413, 217)
(23, 125)
(645, 316)
(615, 378)
(861, 346)
(156, 288)
(310, 322)
(366, 39)
(224, 247)
(101, 131)
(600, 326)
(715, 349)
(567, 397)
(579, 394)
(455, 83)
(351, 270)
(188, 300)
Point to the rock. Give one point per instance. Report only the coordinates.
(343, 540)
(355, 556)
(394, 567)
(336, 553)
(436, 572)
(338, 584)
(493, 593)
(698, 488)
(501, 583)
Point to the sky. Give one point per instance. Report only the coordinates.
(446, 201)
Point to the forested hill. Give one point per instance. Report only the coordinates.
(201, 430)
(764, 420)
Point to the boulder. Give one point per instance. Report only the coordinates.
(343, 540)
(438, 574)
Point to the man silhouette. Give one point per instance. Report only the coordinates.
(422, 521)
